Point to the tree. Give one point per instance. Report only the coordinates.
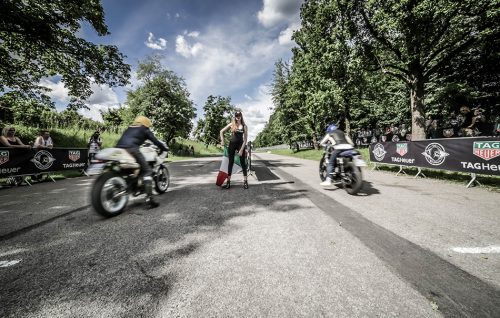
(39, 39)
(163, 98)
(218, 112)
(414, 40)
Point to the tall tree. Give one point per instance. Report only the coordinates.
(39, 38)
(164, 98)
(218, 112)
(413, 40)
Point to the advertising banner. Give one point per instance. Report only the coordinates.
(479, 155)
(15, 161)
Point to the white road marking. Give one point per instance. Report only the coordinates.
(477, 250)
(9, 263)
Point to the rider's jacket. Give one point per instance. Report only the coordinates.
(135, 136)
(338, 139)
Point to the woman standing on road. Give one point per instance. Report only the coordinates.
(239, 134)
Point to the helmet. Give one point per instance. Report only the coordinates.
(142, 120)
(331, 128)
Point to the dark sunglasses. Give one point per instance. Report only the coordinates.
(11, 130)
(237, 115)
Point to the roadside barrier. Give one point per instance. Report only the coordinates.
(474, 155)
(17, 163)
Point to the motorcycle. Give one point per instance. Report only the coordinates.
(349, 172)
(119, 178)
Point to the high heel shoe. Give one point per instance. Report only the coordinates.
(245, 184)
(227, 185)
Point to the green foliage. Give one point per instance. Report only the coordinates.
(66, 137)
(369, 63)
(218, 113)
(39, 39)
(163, 98)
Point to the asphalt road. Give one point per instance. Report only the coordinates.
(285, 247)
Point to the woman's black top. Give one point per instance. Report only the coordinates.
(237, 136)
(13, 143)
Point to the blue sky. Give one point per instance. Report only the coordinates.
(220, 47)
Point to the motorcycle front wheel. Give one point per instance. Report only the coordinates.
(353, 180)
(109, 194)
(162, 180)
(322, 169)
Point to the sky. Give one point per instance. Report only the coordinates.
(220, 47)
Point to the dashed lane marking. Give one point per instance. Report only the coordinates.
(9, 263)
(477, 250)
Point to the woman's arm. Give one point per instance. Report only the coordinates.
(4, 141)
(222, 131)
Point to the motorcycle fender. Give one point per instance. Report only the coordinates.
(359, 162)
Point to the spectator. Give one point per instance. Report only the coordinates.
(467, 116)
(479, 124)
(94, 144)
(9, 139)
(44, 141)
(192, 150)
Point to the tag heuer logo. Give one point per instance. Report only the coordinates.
(486, 149)
(43, 160)
(74, 155)
(4, 156)
(379, 152)
(402, 149)
(435, 154)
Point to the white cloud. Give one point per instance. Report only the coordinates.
(285, 37)
(248, 97)
(228, 61)
(102, 98)
(275, 12)
(159, 44)
(193, 34)
(185, 49)
(59, 93)
(257, 111)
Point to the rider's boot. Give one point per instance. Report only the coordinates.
(327, 182)
(148, 187)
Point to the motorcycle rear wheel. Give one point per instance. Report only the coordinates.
(353, 180)
(109, 195)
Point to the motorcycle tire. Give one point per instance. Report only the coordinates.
(109, 195)
(162, 180)
(322, 169)
(353, 174)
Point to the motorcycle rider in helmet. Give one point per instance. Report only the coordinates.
(133, 137)
(340, 142)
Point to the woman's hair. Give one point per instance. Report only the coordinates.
(234, 126)
(5, 131)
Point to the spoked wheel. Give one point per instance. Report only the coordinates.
(353, 180)
(162, 180)
(322, 169)
(109, 194)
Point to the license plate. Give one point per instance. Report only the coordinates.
(95, 168)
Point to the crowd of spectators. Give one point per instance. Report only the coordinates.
(465, 122)
(367, 135)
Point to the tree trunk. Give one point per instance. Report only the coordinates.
(315, 142)
(417, 94)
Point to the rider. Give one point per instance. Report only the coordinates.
(131, 140)
(340, 142)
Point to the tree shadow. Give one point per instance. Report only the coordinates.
(131, 256)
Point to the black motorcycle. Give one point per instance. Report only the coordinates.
(349, 172)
